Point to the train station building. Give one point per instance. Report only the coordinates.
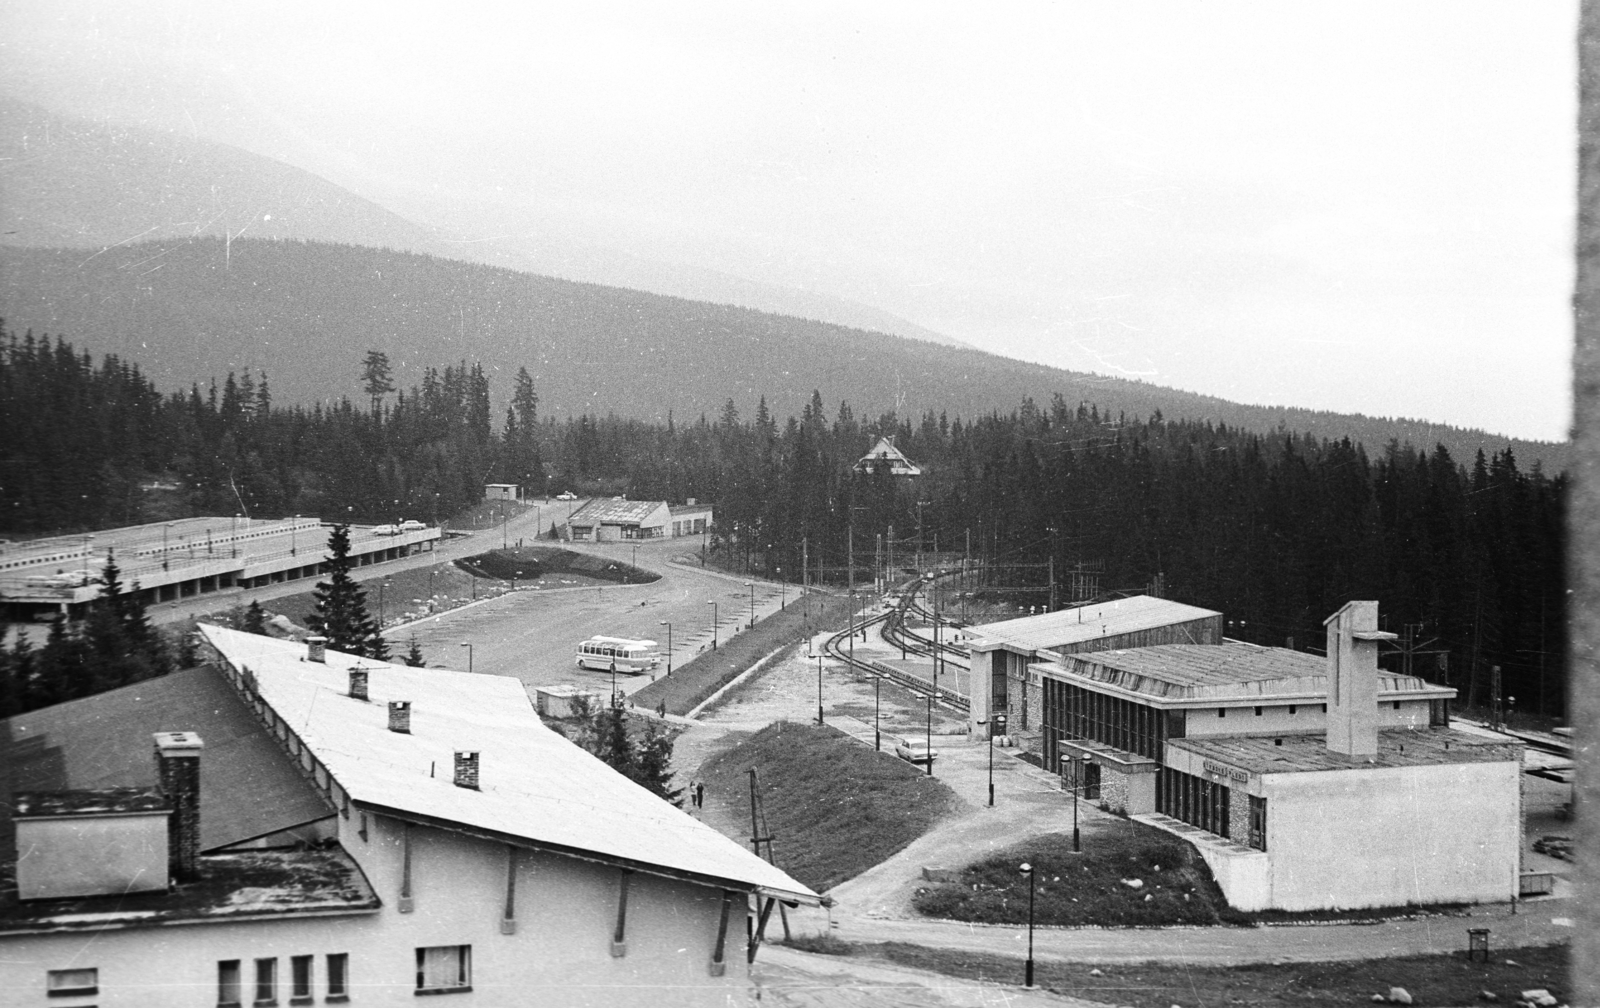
(1306, 782)
(188, 558)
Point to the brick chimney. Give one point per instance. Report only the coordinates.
(400, 716)
(358, 684)
(178, 770)
(467, 768)
(317, 649)
(1353, 638)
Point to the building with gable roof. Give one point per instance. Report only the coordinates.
(616, 520)
(338, 829)
(884, 455)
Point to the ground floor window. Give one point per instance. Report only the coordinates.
(266, 981)
(1194, 800)
(338, 975)
(444, 967)
(228, 992)
(72, 983)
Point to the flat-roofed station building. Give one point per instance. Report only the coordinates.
(1306, 782)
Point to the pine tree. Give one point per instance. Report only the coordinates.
(341, 605)
(615, 748)
(653, 765)
(255, 619)
(375, 377)
(414, 654)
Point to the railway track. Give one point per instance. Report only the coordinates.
(894, 631)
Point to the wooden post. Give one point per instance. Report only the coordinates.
(508, 922)
(761, 929)
(406, 902)
(719, 965)
(619, 938)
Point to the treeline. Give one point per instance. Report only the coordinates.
(1276, 531)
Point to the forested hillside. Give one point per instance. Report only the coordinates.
(190, 310)
(1277, 531)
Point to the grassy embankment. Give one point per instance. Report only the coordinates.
(1431, 980)
(1131, 874)
(697, 679)
(834, 807)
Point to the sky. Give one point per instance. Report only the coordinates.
(1364, 207)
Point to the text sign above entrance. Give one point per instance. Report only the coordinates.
(1224, 771)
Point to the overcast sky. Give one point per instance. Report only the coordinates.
(1341, 205)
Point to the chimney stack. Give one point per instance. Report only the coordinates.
(317, 649)
(1353, 638)
(400, 716)
(178, 770)
(467, 768)
(358, 684)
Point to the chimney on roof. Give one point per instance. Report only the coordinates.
(400, 716)
(358, 684)
(178, 770)
(1353, 638)
(317, 649)
(690, 502)
(467, 768)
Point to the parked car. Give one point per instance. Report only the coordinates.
(915, 751)
(412, 525)
(568, 495)
(385, 530)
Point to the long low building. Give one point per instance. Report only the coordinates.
(331, 829)
(189, 557)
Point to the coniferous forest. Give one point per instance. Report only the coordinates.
(1276, 530)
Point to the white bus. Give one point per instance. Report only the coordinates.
(632, 656)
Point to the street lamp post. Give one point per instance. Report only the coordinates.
(819, 687)
(669, 643)
(1027, 969)
(164, 530)
(752, 586)
(783, 590)
(614, 701)
(233, 537)
(294, 537)
(1076, 845)
(852, 629)
(929, 738)
(468, 646)
(381, 586)
(877, 699)
(712, 603)
(995, 721)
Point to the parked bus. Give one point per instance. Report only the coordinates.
(632, 656)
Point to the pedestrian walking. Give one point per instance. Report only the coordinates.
(700, 794)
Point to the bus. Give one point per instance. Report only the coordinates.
(631, 656)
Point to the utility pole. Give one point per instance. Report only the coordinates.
(805, 563)
(889, 570)
(850, 551)
(1052, 582)
(877, 563)
(759, 836)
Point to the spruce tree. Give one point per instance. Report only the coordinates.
(341, 605)
(255, 619)
(614, 745)
(414, 654)
(653, 765)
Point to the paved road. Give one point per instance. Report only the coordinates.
(534, 635)
(786, 977)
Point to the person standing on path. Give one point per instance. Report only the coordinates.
(699, 794)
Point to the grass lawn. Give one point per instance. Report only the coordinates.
(834, 807)
(1172, 884)
(1443, 980)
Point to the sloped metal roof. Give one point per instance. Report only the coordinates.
(1084, 623)
(1397, 747)
(534, 784)
(615, 512)
(248, 786)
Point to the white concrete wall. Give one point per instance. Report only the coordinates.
(560, 953)
(1308, 717)
(69, 856)
(1393, 836)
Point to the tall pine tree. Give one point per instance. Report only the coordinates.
(341, 605)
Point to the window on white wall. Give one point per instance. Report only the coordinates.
(266, 982)
(228, 983)
(444, 967)
(338, 976)
(72, 982)
(300, 979)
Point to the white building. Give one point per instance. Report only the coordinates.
(617, 520)
(1307, 783)
(443, 841)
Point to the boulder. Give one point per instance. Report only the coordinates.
(1399, 995)
(1540, 997)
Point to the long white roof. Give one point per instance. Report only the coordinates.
(1083, 623)
(533, 783)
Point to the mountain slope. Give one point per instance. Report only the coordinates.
(306, 313)
(71, 183)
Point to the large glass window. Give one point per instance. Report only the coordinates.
(1194, 800)
(1258, 822)
(444, 967)
(1072, 712)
